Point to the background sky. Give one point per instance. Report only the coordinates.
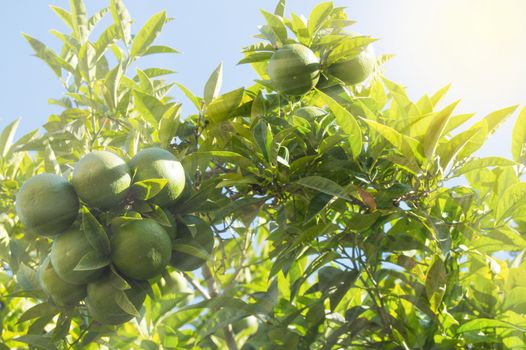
(477, 45)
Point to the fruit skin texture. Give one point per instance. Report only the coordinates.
(357, 69)
(47, 204)
(294, 69)
(204, 239)
(101, 300)
(101, 179)
(61, 292)
(140, 249)
(158, 163)
(66, 252)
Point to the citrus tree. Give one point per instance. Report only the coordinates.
(318, 208)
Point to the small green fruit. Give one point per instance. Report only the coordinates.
(47, 204)
(101, 179)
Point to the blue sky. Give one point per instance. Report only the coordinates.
(477, 45)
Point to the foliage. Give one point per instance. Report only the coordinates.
(335, 228)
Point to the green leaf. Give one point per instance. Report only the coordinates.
(222, 107)
(112, 82)
(108, 37)
(47, 55)
(299, 27)
(280, 8)
(229, 156)
(348, 48)
(262, 134)
(485, 323)
(436, 280)
(518, 139)
(159, 215)
(39, 341)
(120, 297)
(318, 16)
(7, 136)
(326, 186)
(256, 57)
(346, 122)
(183, 246)
(437, 97)
(65, 15)
(276, 25)
(79, 20)
(155, 49)
(39, 310)
(156, 72)
(516, 298)
(404, 144)
(122, 19)
(511, 200)
(194, 99)
(169, 124)
(457, 121)
(147, 189)
(478, 163)
(495, 119)
(213, 85)
(151, 108)
(94, 232)
(147, 34)
(474, 138)
(436, 130)
(95, 19)
(93, 260)
(86, 63)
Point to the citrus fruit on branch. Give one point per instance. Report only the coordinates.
(67, 251)
(158, 163)
(294, 69)
(47, 204)
(104, 300)
(101, 179)
(140, 249)
(355, 70)
(61, 292)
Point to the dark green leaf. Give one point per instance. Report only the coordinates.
(94, 232)
(124, 303)
(485, 323)
(262, 134)
(92, 261)
(326, 186)
(191, 249)
(39, 341)
(436, 279)
(39, 310)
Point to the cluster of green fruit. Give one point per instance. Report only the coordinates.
(107, 254)
(294, 69)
